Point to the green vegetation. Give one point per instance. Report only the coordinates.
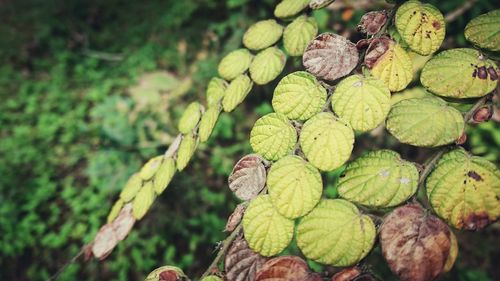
(92, 90)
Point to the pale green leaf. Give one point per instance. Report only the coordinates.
(131, 188)
(149, 169)
(190, 117)
(289, 8)
(336, 233)
(262, 34)
(273, 136)
(143, 200)
(294, 185)
(266, 231)
(267, 65)
(379, 179)
(483, 31)
(236, 92)
(164, 175)
(186, 151)
(115, 210)
(207, 123)
(215, 91)
(326, 141)
(299, 96)
(298, 34)
(234, 64)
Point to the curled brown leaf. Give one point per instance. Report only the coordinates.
(235, 218)
(286, 268)
(248, 177)
(372, 22)
(241, 263)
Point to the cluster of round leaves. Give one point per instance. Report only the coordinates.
(312, 129)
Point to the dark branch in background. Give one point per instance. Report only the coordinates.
(453, 15)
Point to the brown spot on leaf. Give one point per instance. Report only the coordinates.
(474, 175)
(482, 73)
(436, 24)
(168, 275)
(476, 221)
(461, 139)
(493, 73)
(415, 244)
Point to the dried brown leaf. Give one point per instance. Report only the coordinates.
(286, 268)
(347, 274)
(372, 22)
(123, 222)
(377, 49)
(248, 177)
(330, 56)
(415, 244)
(235, 218)
(104, 242)
(241, 263)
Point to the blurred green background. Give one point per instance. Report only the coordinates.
(90, 90)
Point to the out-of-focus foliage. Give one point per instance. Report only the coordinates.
(89, 90)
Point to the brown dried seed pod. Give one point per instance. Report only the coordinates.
(372, 22)
(248, 177)
(286, 268)
(235, 218)
(415, 244)
(241, 263)
(330, 56)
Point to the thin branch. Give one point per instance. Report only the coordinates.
(222, 252)
(455, 14)
(61, 270)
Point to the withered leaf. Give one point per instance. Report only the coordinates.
(347, 274)
(330, 56)
(104, 242)
(123, 222)
(372, 22)
(248, 177)
(286, 268)
(235, 218)
(241, 263)
(415, 244)
(376, 49)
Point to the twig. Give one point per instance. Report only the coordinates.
(225, 246)
(455, 14)
(61, 270)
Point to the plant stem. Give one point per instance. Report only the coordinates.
(453, 15)
(225, 246)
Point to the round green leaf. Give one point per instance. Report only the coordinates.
(363, 102)
(483, 31)
(299, 96)
(207, 123)
(326, 141)
(266, 231)
(426, 122)
(289, 8)
(460, 73)
(262, 34)
(234, 64)
(294, 185)
(464, 190)
(131, 188)
(298, 34)
(393, 66)
(236, 92)
(336, 233)
(143, 200)
(267, 65)
(149, 169)
(190, 117)
(379, 179)
(215, 91)
(115, 210)
(212, 278)
(164, 175)
(273, 136)
(421, 25)
(186, 150)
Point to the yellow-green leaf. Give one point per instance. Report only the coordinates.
(453, 253)
(215, 91)
(207, 123)
(190, 117)
(236, 92)
(464, 190)
(262, 34)
(428, 122)
(483, 31)
(289, 8)
(421, 25)
(131, 188)
(212, 278)
(379, 179)
(266, 231)
(409, 93)
(186, 151)
(363, 102)
(298, 34)
(326, 141)
(143, 200)
(393, 66)
(460, 73)
(294, 185)
(336, 233)
(234, 64)
(115, 210)
(164, 175)
(273, 136)
(267, 65)
(149, 169)
(299, 96)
